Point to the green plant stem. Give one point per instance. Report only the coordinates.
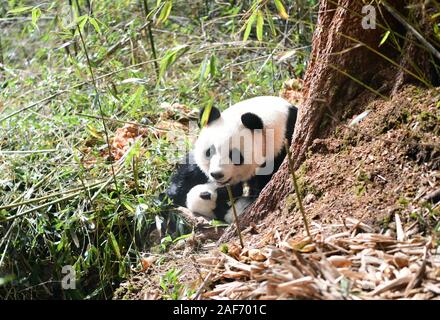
(295, 185)
(56, 194)
(234, 211)
(2, 62)
(40, 207)
(101, 112)
(358, 81)
(135, 173)
(151, 38)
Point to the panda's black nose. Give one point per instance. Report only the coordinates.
(217, 175)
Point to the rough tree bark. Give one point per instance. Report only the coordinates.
(330, 93)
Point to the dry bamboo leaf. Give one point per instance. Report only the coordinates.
(399, 229)
(390, 285)
(299, 244)
(256, 255)
(354, 275)
(339, 261)
(432, 287)
(400, 260)
(234, 274)
(234, 251)
(359, 224)
(417, 278)
(308, 248)
(298, 283)
(230, 262)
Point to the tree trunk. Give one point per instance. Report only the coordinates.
(343, 74)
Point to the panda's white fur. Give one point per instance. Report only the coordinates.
(240, 205)
(199, 202)
(228, 130)
(202, 205)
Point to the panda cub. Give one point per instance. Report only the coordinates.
(191, 188)
(187, 176)
(213, 202)
(245, 143)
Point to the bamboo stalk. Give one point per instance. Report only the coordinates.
(151, 38)
(100, 111)
(40, 207)
(56, 194)
(295, 185)
(4, 152)
(2, 62)
(234, 211)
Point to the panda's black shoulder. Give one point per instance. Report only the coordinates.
(187, 175)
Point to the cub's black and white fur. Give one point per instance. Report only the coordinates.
(212, 201)
(186, 176)
(191, 188)
(239, 144)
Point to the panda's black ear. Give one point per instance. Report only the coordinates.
(214, 115)
(252, 121)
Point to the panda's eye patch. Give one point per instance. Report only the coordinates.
(236, 157)
(206, 195)
(210, 152)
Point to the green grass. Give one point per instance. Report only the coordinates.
(57, 209)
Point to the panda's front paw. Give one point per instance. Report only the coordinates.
(229, 217)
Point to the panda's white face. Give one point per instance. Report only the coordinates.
(230, 155)
(234, 145)
(202, 198)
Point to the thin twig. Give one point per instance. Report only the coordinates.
(56, 194)
(40, 207)
(101, 112)
(4, 152)
(295, 185)
(234, 211)
(151, 38)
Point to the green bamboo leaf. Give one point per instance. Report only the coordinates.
(260, 24)
(95, 24)
(270, 22)
(115, 245)
(206, 113)
(213, 66)
(81, 21)
(384, 38)
(165, 12)
(435, 16)
(170, 57)
(19, 10)
(281, 10)
(203, 69)
(36, 13)
(249, 25)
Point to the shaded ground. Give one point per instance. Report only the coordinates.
(370, 195)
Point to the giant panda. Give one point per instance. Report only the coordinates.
(245, 143)
(212, 201)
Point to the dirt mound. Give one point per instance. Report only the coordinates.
(372, 169)
(370, 194)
